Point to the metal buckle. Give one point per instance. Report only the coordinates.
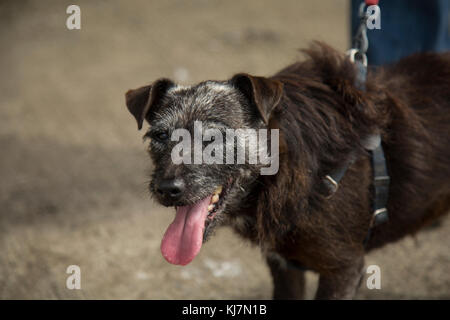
(352, 55)
(334, 184)
(379, 216)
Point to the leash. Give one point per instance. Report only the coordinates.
(381, 179)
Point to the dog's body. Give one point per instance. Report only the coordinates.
(317, 109)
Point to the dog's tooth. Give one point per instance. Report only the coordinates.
(218, 190)
(210, 207)
(215, 198)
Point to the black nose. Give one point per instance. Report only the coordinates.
(171, 188)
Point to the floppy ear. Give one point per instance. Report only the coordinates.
(263, 93)
(140, 101)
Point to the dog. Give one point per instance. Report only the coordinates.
(322, 118)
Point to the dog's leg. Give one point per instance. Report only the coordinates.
(341, 285)
(288, 282)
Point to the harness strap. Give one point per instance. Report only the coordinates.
(331, 180)
(381, 182)
(381, 177)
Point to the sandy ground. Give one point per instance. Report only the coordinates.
(73, 169)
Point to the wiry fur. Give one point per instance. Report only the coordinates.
(323, 118)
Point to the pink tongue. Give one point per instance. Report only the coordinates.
(184, 237)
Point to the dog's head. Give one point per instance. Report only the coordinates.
(195, 156)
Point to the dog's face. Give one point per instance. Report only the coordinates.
(203, 192)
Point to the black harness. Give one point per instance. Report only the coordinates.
(380, 184)
(381, 179)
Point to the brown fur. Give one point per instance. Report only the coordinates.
(320, 124)
(323, 118)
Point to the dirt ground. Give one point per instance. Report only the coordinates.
(73, 168)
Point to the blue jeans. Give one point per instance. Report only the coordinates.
(406, 27)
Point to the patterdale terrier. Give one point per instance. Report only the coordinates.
(322, 119)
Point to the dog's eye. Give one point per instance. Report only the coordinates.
(161, 136)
